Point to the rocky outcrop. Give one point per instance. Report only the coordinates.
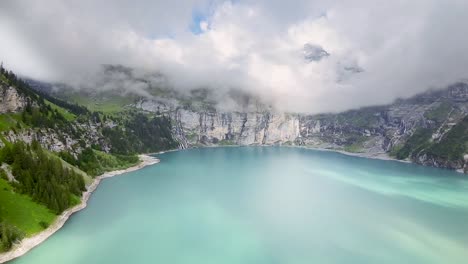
(434, 161)
(56, 140)
(85, 133)
(6, 168)
(11, 100)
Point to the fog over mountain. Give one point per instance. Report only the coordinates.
(303, 56)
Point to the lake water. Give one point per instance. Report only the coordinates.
(268, 205)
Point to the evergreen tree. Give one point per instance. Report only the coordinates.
(42, 177)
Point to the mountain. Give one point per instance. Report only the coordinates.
(428, 129)
(54, 141)
(314, 52)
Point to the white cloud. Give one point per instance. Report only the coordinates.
(378, 50)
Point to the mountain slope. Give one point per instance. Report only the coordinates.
(46, 144)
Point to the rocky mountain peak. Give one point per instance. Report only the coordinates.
(313, 52)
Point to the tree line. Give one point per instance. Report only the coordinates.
(141, 134)
(42, 176)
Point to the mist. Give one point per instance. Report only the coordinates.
(300, 56)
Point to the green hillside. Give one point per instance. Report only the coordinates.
(50, 176)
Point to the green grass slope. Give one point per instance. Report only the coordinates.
(21, 211)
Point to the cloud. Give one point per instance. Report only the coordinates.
(376, 51)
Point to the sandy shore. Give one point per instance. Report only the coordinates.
(31, 242)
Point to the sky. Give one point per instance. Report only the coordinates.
(302, 56)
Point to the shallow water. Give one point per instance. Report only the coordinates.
(268, 205)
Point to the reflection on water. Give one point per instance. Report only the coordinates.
(268, 205)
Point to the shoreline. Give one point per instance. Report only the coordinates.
(375, 155)
(29, 243)
(379, 156)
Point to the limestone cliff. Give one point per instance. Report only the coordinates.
(235, 128)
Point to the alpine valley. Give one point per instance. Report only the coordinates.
(55, 139)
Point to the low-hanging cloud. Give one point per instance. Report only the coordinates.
(364, 53)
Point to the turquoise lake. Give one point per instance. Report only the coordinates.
(268, 205)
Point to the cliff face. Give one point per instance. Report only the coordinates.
(214, 128)
(373, 131)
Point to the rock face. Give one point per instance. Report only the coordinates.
(57, 141)
(11, 100)
(213, 128)
(373, 131)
